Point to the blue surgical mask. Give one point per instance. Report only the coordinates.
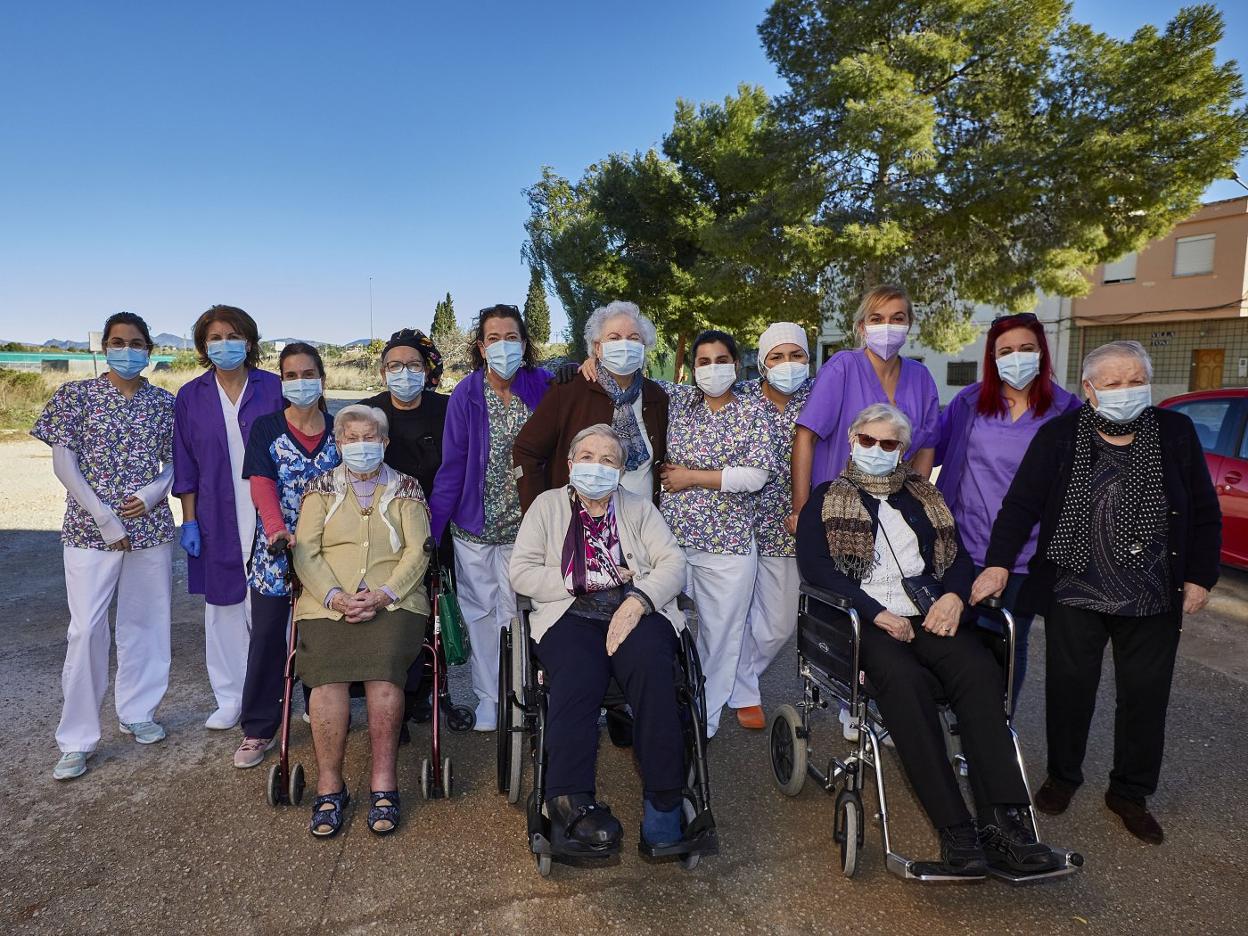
(505, 357)
(1124, 405)
(1019, 369)
(874, 460)
(623, 357)
(227, 353)
(405, 386)
(787, 377)
(302, 392)
(126, 363)
(363, 457)
(593, 480)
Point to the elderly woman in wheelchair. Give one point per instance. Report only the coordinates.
(882, 539)
(603, 573)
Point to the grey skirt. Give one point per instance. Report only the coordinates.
(381, 649)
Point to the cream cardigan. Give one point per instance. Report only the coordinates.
(650, 551)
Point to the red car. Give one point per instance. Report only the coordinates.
(1220, 417)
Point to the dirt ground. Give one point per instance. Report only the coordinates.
(173, 839)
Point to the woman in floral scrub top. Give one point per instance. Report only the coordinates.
(719, 454)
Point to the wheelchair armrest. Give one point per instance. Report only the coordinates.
(524, 603)
(685, 603)
(825, 596)
(992, 603)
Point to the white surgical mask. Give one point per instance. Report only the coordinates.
(787, 377)
(715, 379)
(874, 460)
(594, 480)
(505, 357)
(1122, 406)
(1019, 369)
(623, 356)
(363, 457)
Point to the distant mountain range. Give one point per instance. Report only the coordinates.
(167, 340)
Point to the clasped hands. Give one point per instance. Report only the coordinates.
(941, 621)
(360, 607)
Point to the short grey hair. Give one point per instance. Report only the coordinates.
(597, 429)
(885, 411)
(601, 315)
(358, 412)
(1132, 349)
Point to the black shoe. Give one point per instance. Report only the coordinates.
(1010, 844)
(1054, 796)
(960, 851)
(1136, 817)
(579, 824)
(418, 705)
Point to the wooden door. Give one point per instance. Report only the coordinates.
(1207, 368)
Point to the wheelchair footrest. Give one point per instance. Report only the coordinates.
(541, 845)
(1070, 863)
(700, 838)
(929, 872)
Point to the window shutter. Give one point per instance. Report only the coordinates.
(1121, 270)
(1193, 255)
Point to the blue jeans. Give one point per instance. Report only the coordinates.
(1022, 632)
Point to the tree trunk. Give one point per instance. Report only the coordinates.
(678, 370)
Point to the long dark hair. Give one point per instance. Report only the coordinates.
(128, 318)
(1040, 396)
(478, 335)
(302, 347)
(238, 320)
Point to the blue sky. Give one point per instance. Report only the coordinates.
(161, 157)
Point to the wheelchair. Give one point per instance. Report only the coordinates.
(522, 706)
(828, 643)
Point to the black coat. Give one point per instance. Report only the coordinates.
(815, 564)
(1038, 493)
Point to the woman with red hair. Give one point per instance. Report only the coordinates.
(984, 433)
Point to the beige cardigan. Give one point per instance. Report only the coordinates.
(650, 550)
(338, 546)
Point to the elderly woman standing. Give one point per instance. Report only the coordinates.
(360, 555)
(784, 359)
(475, 489)
(862, 535)
(1130, 535)
(604, 573)
(616, 392)
(984, 433)
(213, 418)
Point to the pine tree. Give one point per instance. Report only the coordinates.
(536, 310)
(444, 323)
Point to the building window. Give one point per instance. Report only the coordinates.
(1121, 270)
(960, 373)
(1193, 255)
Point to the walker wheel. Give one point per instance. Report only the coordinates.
(460, 718)
(426, 778)
(543, 865)
(273, 790)
(448, 778)
(296, 784)
(848, 831)
(788, 750)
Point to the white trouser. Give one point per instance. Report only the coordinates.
(771, 622)
(483, 586)
(141, 579)
(227, 635)
(720, 585)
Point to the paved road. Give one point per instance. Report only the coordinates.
(172, 839)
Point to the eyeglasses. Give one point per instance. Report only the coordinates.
(888, 445)
(1016, 317)
(398, 367)
(117, 344)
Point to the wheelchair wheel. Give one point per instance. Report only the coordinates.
(788, 750)
(426, 778)
(296, 784)
(691, 860)
(504, 709)
(273, 790)
(516, 733)
(848, 831)
(448, 778)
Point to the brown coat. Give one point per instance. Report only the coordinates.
(541, 449)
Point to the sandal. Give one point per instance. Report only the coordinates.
(383, 815)
(327, 813)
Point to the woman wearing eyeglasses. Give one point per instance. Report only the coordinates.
(984, 433)
(213, 418)
(882, 536)
(475, 488)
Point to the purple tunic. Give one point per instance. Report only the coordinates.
(844, 387)
(201, 466)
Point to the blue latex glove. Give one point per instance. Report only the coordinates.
(190, 538)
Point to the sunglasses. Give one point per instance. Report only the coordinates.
(501, 307)
(888, 445)
(1016, 317)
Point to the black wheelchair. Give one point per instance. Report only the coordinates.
(522, 705)
(828, 635)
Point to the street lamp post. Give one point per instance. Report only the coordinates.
(370, 309)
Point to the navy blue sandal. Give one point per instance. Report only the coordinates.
(388, 813)
(329, 820)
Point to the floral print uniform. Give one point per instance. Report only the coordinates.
(502, 500)
(775, 500)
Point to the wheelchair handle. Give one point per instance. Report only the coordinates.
(279, 548)
(827, 597)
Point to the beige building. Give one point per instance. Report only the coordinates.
(1182, 297)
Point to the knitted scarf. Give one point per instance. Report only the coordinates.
(623, 418)
(1143, 512)
(851, 531)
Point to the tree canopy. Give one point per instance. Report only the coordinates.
(536, 309)
(444, 323)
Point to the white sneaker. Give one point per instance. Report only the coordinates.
(145, 732)
(71, 764)
(221, 720)
(487, 716)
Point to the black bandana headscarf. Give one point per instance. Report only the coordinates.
(415, 338)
